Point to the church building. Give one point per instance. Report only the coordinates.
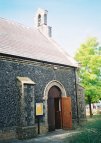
(38, 88)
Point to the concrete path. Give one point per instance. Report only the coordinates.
(57, 136)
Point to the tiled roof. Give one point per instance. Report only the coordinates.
(21, 41)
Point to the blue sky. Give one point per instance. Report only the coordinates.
(72, 21)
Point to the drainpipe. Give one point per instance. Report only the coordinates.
(76, 96)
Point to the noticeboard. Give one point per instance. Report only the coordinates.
(39, 109)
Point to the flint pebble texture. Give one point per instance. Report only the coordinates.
(41, 74)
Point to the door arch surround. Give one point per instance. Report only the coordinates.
(46, 91)
(54, 83)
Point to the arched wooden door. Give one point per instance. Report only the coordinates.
(54, 108)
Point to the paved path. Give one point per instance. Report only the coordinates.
(57, 136)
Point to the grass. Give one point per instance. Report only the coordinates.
(89, 133)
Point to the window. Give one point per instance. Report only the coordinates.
(39, 20)
(45, 19)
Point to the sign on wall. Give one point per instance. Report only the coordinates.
(39, 109)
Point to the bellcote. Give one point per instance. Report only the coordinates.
(41, 16)
(41, 22)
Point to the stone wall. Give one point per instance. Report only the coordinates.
(26, 132)
(8, 133)
(81, 103)
(39, 72)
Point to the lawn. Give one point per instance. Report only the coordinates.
(89, 133)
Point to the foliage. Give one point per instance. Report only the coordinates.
(89, 57)
(89, 133)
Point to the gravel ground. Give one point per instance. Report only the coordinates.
(57, 136)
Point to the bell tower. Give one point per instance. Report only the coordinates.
(41, 22)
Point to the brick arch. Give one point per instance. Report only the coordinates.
(46, 91)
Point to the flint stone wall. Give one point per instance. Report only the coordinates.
(39, 72)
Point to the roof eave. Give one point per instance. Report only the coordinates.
(38, 60)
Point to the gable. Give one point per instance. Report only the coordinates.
(21, 41)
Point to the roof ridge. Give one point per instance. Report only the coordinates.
(68, 57)
(62, 50)
(55, 43)
(19, 39)
(16, 23)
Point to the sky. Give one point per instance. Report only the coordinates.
(72, 21)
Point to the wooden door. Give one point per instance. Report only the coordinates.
(57, 113)
(51, 114)
(66, 113)
(54, 120)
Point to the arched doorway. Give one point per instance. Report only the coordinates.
(57, 109)
(54, 108)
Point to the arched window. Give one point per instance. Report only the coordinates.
(39, 20)
(45, 19)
